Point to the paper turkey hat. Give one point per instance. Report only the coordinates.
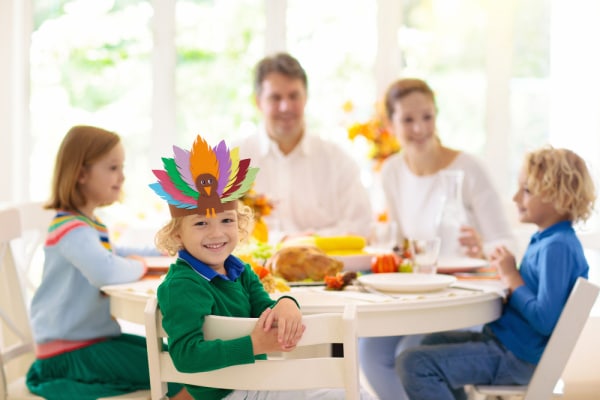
(205, 180)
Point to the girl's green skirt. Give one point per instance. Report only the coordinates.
(109, 368)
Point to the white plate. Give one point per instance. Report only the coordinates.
(405, 282)
(459, 264)
(159, 262)
(356, 262)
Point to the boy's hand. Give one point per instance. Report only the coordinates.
(288, 319)
(265, 340)
(505, 264)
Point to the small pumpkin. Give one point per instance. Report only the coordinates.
(384, 263)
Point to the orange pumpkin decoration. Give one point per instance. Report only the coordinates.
(384, 263)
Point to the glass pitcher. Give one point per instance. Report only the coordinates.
(452, 214)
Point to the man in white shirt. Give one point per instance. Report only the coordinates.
(314, 184)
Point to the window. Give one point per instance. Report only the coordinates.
(504, 84)
(90, 65)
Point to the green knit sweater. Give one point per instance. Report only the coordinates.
(185, 298)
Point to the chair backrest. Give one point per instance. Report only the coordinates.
(270, 374)
(16, 341)
(563, 340)
(558, 350)
(590, 240)
(35, 221)
(16, 338)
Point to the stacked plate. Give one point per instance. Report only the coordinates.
(407, 282)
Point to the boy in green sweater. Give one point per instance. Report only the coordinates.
(207, 279)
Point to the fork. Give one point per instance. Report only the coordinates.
(368, 289)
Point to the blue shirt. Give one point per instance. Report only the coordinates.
(552, 263)
(233, 266)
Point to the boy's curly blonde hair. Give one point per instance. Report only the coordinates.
(165, 237)
(560, 177)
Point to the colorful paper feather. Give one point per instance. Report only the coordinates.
(177, 179)
(203, 160)
(182, 160)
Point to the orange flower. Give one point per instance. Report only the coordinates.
(259, 203)
(261, 206)
(348, 106)
(383, 217)
(382, 142)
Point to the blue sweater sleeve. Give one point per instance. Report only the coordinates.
(145, 251)
(553, 281)
(82, 249)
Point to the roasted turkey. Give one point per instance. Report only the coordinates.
(300, 263)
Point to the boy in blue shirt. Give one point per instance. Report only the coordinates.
(555, 190)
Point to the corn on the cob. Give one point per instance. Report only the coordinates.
(339, 243)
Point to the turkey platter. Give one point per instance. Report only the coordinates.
(303, 263)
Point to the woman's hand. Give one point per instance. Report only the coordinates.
(471, 242)
(504, 262)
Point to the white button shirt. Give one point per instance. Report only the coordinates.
(316, 188)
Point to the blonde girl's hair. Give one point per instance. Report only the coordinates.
(165, 238)
(81, 147)
(561, 177)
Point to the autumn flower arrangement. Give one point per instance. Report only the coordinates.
(262, 206)
(382, 142)
(258, 251)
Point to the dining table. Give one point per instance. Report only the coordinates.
(459, 305)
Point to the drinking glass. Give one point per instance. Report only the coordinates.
(452, 215)
(385, 235)
(425, 254)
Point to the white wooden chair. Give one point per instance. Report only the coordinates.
(545, 381)
(590, 239)
(16, 342)
(35, 221)
(270, 374)
(16, 339)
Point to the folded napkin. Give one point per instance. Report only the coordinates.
(493, 286)
(354, 295)
(479, 274)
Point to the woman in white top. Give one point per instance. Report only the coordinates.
(412, 186)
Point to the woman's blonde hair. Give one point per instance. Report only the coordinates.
(165, 238)
(81, 147)
(560, 177)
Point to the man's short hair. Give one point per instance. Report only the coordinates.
(281, 63)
